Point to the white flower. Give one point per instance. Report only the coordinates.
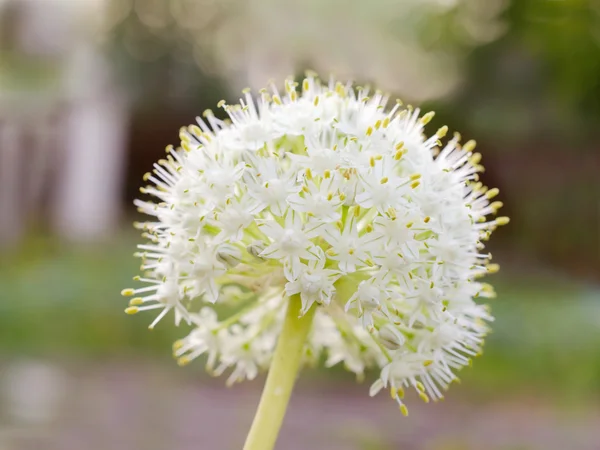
(369, 298)
(269, 185)
(346, 246)
(290, 242)
(321, 193)
(322, 201)
(313, 282)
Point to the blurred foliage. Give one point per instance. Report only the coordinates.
(248, 42)
(540, 79)
(64, 302)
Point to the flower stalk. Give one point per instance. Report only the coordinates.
(281, 378)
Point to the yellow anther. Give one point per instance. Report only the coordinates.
(378, 124)
(475, 159)
(308, 173)
(415, 176)
(427, 219)
(351, 251)
(496, 205)
(399, 145)
(294, 96)
(146, 176)
(305, 85)
(424, 397)
(305, 189)
(368, 228)
(276, 100)
(205, 113)
(128, 292)
(384, 180)
(420, 386)
(187, 147)
(372, 161)
(330, 252)
(427, 363)
(391, 212)
(492, 193)
(136, 301)
(177, 345)
(409, 224)
(400, 393)
(195, 130)
(469, 146)
(246, 90)
(369, 131)
(493, 268)
(131, 310)
(378, 157)
(316, 100)
(221, 103)
(342, 196)
(398, 155)
(415, 184)
(393, 392)
(427, 117)
(442, 131)
(502, 220)
(356, 211)
(183, 361)
(487, 288)
(404, 410)
(329, 196)
(386, 122)
(327, 174)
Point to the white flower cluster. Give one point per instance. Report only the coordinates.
(323, 193)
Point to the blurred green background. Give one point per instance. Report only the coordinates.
(92, 91)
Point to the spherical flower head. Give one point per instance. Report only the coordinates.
(324, 193)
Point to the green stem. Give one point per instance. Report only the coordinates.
(281, 378)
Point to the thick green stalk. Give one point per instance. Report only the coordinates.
(281, 377)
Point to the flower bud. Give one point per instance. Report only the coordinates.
(391, 338)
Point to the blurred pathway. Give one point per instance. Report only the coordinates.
(129, 407)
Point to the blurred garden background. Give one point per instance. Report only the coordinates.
(91, 92)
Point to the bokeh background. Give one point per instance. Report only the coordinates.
(91, 91)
